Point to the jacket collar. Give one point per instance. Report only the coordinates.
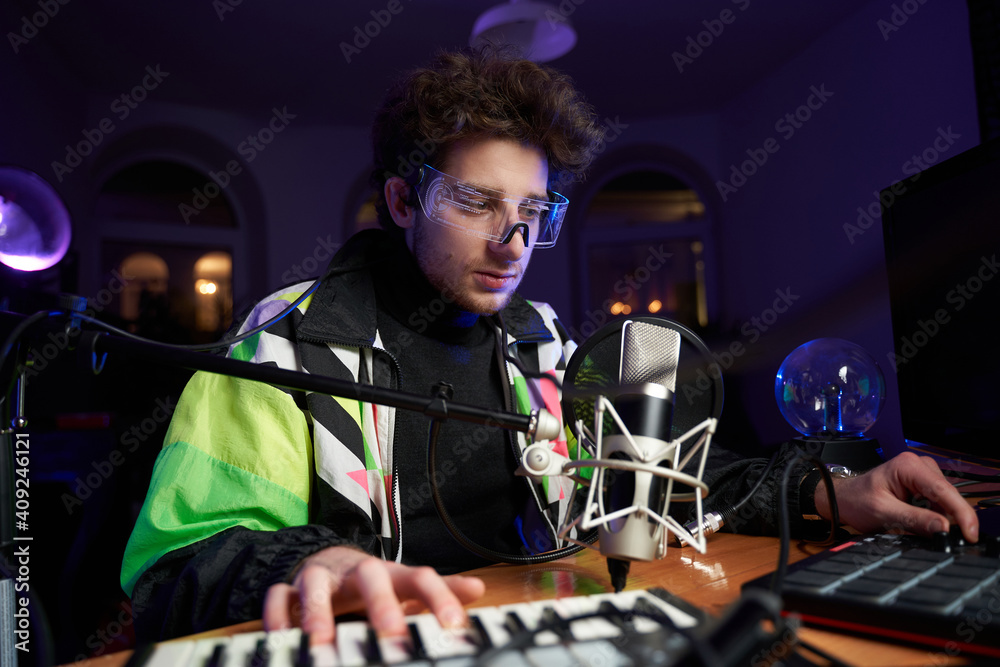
(342, 309)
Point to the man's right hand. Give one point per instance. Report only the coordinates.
(339, 580)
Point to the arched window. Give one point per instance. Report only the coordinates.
(166, 210)
(643, 241)
(645, 248)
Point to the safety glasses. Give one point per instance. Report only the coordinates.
(490, 214)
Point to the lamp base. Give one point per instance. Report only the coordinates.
(856, 453)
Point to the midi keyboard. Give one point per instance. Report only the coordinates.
(649, 627)
(937, 592)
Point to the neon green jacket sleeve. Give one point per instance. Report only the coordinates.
(237, 453)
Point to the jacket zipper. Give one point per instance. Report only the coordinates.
(397, 520)
(512, 438)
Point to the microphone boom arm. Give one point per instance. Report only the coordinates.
(537, 424)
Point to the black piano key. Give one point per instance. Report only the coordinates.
(418, 651)
(373, 653)
(613, 615)
(218, 656)
(650, 610)
(484, 640)
(515, 625)
(261, 655)
(550, 620)
(303, 656)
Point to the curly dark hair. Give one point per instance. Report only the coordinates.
(485, 92)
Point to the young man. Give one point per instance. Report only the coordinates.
(293, 506)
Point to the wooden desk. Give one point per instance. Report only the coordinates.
(710, 581)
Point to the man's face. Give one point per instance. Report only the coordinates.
(481, 275)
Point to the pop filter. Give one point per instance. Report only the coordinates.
(593, 370)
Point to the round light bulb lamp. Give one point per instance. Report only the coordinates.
(34, 224)
(831, 391)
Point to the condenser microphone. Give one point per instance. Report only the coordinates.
(645, 405)
(618, 395)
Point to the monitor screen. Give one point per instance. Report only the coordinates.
(942, 242)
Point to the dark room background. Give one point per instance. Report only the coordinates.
(222, 148)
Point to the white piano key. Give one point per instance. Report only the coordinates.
(395, 649)
(240, 647)
(680, 618)
(589, 628)
(642, 624)
(283, 646)
(203, 649)
(440, 642)
(171, 654)
(492, 621)
(530, 614)
(626, 602)
(325, 655)
(352, 642)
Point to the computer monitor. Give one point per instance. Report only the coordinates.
(942, 245)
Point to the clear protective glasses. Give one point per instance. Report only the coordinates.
(486, 213)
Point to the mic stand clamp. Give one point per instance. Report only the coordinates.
(438, 407)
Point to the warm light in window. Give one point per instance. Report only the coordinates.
(619, 308)
(206, 286)
(655, 305)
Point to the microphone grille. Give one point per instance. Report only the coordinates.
(649, 354)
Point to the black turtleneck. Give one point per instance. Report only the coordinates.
(433, 341)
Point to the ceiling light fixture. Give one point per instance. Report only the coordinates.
(540, 30)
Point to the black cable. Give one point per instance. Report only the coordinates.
(729, 514)
(461, 538)
(831, 496)
(992, 479)
(978, 494)
(12, 338)
(456, 532)
(778, 577)
(28, 322)
(221, 343)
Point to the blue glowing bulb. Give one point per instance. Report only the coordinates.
(831, 388)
